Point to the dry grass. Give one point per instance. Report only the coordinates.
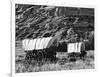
(89, 64)
(62, 63)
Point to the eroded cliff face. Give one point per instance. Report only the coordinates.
(33, 21)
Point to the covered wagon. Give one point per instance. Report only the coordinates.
(39, 48)
(76, 50)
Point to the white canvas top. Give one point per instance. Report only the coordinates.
(74, 47)
(32, 44)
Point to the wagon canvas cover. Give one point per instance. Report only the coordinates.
(36, 44)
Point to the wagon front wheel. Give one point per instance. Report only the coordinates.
(30, 55)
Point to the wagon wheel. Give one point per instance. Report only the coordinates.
(39, 55)
(29, 55)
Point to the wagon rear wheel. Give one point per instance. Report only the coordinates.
(40, 55)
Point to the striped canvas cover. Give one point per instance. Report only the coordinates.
(75, 47)
(36, 44)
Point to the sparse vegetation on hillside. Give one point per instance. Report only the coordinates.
(34, 21)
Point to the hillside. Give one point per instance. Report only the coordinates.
(33, 21)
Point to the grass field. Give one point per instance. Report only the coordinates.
(62, 63)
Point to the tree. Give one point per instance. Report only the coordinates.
(71, 35)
